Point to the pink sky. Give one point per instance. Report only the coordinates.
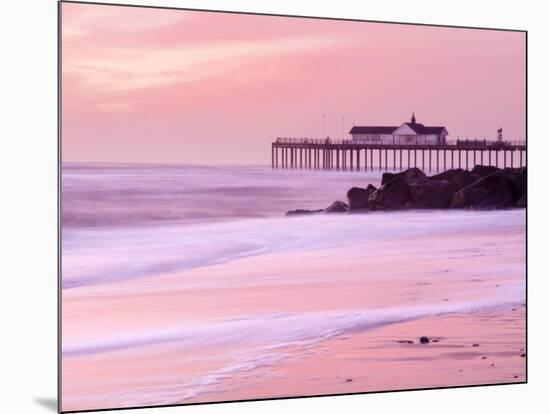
(153, 85)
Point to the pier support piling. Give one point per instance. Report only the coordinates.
(333, 155)
(520, 158)
(423, 169)
(371, 163)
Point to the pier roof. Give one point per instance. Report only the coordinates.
(387, 130)
(372, 129)
(422, 129)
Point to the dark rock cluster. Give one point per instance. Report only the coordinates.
(484, 187)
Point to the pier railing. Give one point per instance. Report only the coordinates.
(319, 141)
(449, 144)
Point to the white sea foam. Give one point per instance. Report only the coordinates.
(283, 329)
(95, 256)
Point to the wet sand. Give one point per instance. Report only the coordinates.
(481, 348)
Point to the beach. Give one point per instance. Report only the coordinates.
(178, 290)
(382, 360)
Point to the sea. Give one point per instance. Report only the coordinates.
(205, 257)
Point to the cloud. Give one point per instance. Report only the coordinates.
(110, 49)
(81, 20)
(125, 69)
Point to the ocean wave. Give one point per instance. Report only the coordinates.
(99, 256)
(282, 329)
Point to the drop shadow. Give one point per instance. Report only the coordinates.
(48, 403)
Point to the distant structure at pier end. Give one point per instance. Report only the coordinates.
(408, 133)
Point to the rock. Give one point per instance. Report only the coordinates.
(337, 207)
(517, 175)
(413, 174)
(412, 189)
(522, 201)
(492, 191)
(405, 341)
(300, 212)
(464, 178)
(484, 187)
(523, 355)
(431, 193)
(394, 194)
(388, 177)
(448, 175)
(483, 170)
(475, 345)
(408, 174)
(424, 340)
(371, 188)
(349, 380)
(458, 177)
(359, 197)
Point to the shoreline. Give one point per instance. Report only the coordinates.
(465, 349)
(481, 348)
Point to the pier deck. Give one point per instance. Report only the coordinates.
(348, 155)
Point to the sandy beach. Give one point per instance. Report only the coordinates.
(307, 321)
(482, 348)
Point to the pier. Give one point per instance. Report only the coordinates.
(349, 155)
